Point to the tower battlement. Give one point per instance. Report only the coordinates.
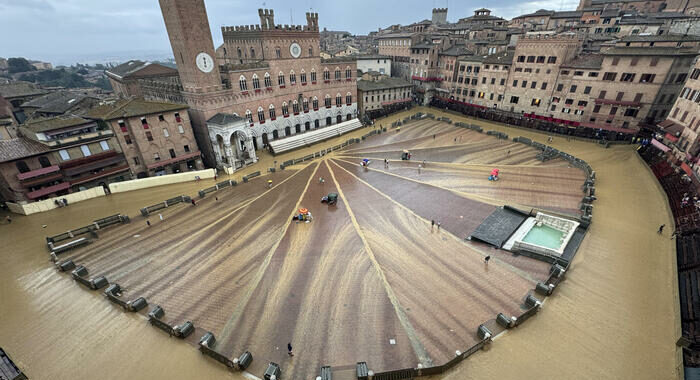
(267, 22)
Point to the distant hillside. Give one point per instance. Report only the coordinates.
(64, 78)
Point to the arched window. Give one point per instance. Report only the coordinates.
(272, 112)
(348, 98)
(337, 73)
(295, 107)
(256, 82)
(326, 74)
(261, 115)
(44, 162)
(242, 83)
(315, 103)
(292, 77)
(327, 101)
(348, 73)
(252, 53)
(268, 81)
(280, 79)
(311, 52)
(278, 52)
(22, 166)
(285, 109)
(306, 105)
(338, 100)
(313, 75)
(240, 54)
(303, 77)
(249, 116)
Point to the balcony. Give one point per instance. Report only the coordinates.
(104, 173)
(617, 102)
(48, 190)
(84, 160)
(37, 172)
(42, 180)
(94, 165)
(83, 138)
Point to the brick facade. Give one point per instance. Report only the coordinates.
(248, 55)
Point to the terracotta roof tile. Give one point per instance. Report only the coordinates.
(17, 148)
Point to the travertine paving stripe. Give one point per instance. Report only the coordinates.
(227, 330)
(400, 312)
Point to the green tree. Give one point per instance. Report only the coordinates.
(103, 83)
(19, 65)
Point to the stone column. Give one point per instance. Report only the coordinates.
(217, 153)
(229, 154)
(251, 149)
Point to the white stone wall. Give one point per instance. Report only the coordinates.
(50, 204)
(144, 183)
(381, 65)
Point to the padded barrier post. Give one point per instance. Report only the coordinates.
(66, 266)
(483, 332)
(504, 321)
(272, 372)
(544, 289)
(326, 373)
(362, 371)
(79, 271)
(207, 340)
(137, 304)
(244, 360)
(156, 313)
(184, 330)
(98, 283)
(531, 301)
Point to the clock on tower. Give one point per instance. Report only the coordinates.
(192, 44)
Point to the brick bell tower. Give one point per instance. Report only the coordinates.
(193, 48)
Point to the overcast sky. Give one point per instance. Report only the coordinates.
(66, 31)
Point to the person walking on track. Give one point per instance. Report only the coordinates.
(289, 349)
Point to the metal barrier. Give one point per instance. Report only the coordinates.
(410, 373)
(399, 374)
(165, 204)
(96, 225)
(251, 175)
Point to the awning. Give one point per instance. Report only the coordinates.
(671, 127)
(659, 145)
(671, 137)
(48, 190)
(665, 123)
(37, 172)
(687, 169)
(159, 164)
(608, 127)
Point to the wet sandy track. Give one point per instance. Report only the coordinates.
(444, 286)
(488, 152)
(320, 292)
(366, 271)
(555, 188)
